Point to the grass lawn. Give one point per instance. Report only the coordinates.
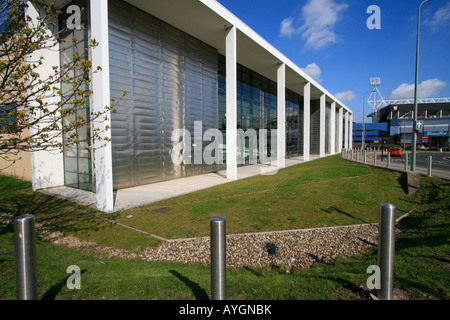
(327, 192)
(421, 268)
(324, 192)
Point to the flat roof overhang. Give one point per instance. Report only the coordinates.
(208, 21)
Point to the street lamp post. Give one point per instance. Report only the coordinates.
(364, 120)
(414, 142)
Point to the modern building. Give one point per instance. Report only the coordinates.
(187, 65)
(433, 114)
(372, 132)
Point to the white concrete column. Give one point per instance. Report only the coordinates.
(350, 132)
(47, 166)
(322, 135)
(340, 129)
(306, 121)
(333, 128)
(100, 99)
(231, 103)
(281, 116)
(346, 126)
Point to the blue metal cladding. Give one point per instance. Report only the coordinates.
(370, 126)
(372, 131)
(171, 82)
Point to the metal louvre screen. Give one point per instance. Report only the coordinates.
(327, 128)
(300, 128)
(315, 127)
(337, 121)
(171, 81)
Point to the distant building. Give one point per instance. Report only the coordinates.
(373, 132)
(434, 116)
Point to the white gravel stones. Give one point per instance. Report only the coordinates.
(295, 249)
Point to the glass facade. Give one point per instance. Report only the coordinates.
(77, 158)
(257, 109)
(294, 124)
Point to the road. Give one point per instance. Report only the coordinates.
(440, 162)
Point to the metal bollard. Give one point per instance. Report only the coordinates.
(386, 251)
(430, 165)
(25, 255)
(374, 158)
(389, 160)
(365, 156)
(406, 162)
(218, 259)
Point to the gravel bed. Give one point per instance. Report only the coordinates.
(292, 249)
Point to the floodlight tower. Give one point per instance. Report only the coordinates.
(375, 82)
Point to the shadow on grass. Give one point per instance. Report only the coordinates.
(53, 291)
(348, 285)
(422, 290)
(337, 210)
(7, 229)
(54, 213)
(199, 292)
(256, 272)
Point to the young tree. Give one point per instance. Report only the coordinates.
(42, 112)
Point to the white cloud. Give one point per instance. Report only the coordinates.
(345, 96)
(313, 70)
(286, 28)
(317, 22)
(440, 18)
(426, 89)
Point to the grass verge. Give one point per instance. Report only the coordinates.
(321, 193)
(421, 268)
(421, 262)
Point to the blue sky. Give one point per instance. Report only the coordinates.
(330, 40)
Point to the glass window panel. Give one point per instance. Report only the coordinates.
(222, 86)
(66, 55)
(83, 152)
(84, 166)
(257, 80)
(247, 91)
(246, 104)
(246, 76)
(85, 182)
(70, 164)
(71, 179)
(70, 151)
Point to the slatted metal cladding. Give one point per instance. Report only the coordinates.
(315, 127)
(171, 81)
(328, 128)
(336, 141)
